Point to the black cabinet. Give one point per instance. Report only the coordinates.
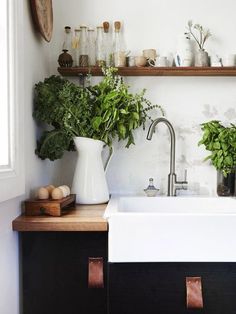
(55, 280)
(55, 272)
(152, 288)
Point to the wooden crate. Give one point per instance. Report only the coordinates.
(36, 207)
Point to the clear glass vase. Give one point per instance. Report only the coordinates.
(226, 185)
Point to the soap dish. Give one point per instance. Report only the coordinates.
(151, 191)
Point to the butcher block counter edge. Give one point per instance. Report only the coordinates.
(81, 218)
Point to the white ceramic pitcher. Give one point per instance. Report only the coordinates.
(89, 183)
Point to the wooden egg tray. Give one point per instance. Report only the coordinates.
(36, 207)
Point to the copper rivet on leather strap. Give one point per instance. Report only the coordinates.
(95, 272)
(194, 292)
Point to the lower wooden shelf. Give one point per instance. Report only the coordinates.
(153, 71)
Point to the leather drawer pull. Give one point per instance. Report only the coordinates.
(194, 293)
(95, 272)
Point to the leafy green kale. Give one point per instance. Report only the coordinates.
(47, 106)
(52, 144)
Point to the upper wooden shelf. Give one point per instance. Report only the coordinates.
(151, 71)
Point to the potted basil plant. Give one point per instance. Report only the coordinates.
(221, 142)
(88, 118)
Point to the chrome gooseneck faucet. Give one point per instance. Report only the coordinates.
(173, 184)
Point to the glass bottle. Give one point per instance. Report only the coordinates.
(151, 190)
(83, 47)
(107, 44)
(65, 59)
(91, 47)
(75, 46)
(119, 56)
(67, 39)
(100, 48)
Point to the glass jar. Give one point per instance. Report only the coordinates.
(107, 44)
(65, 59)
(100, 48)
(67, 39)
(75, 47)
(119, 55)
(226, 185)
(83, 47)
(91, 47)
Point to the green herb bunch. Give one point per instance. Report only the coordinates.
(221, 141)
(103, 111)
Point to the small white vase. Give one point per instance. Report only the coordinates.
(184, 55)
(201, 58)
(89, 183)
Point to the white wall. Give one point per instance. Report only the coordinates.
(188, 101)
(36, 65)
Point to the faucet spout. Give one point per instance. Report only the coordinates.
(172, 139)
(172, 178)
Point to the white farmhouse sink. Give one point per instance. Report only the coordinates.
(172, 229)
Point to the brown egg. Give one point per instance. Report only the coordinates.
(57, 194)
(50, 187)
(63, 189)
(43, 193)
(66, 189)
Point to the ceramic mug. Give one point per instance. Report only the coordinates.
(140, 61)
(229, 60)
(216, 61)
(150, 53)
(131, 61)
(159, 62)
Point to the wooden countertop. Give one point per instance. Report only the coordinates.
(82, 218)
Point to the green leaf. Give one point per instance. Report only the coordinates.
(122, 131)
(136, 116)
(96, 122)
(53, 144)
(216, 145)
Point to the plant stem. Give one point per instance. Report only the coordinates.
(197, 41)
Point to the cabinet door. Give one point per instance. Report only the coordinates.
(152, 288)
(55, 272)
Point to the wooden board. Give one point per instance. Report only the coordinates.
(80, 218)
(36, 207)
(43, 17)
(153, 71)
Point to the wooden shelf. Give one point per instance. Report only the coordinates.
(150, 71)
